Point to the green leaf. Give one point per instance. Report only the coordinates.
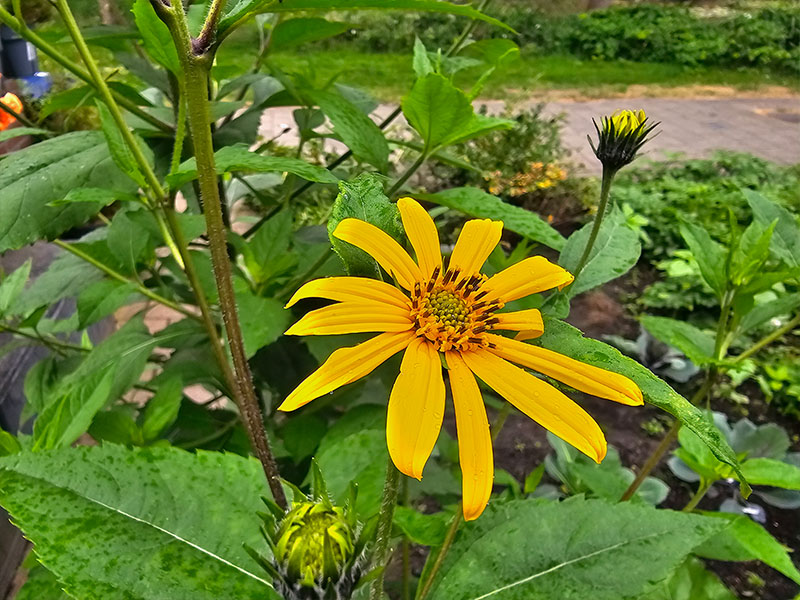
(102, 298)
(156, 36)
(744, 539)
(533, 479)
(263, 320)
(302, 434)
(129, 242)
(240, 159)
(355, 129)
(120, 152)
(363, 198)
(710, 256)
(561, 337)
(443, 115)
(422, 62)
(427, 530)
(576, 549)
(41, 584)
(614, 253)
(302, 30)
(477, 203)
(244, 8)
(106, 522)
(697, 345)
(8, 444)
(162, 409)
(11, 286)
(116, 425)
(20, 131)
(34, 177)
(100, 196)
(751, 252)
(786, 239)
(761, 313)
(691, 581)
(768, 471)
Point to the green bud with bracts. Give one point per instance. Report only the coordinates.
(620, 137)
(317, 550)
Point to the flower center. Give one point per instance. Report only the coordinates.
(449, 312)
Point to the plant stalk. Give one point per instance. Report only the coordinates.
(768, 339)
(702, 489)
(407, 174)
(605, 195)
(391, 488)
(196, 69)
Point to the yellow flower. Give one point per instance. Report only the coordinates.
(626, 121)
(450, 309)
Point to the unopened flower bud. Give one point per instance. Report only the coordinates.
(620, 138)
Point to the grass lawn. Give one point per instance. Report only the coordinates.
(389, 76)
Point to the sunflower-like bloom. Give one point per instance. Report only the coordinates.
(15, 104)
(450, 309)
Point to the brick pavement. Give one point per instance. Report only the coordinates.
(765, 127)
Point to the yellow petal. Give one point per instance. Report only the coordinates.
(528, 276)
(474, 438)
(352, 317)
(416, 408)
(528, 322)
(474, 245)
(586, 378)
(540, 401)
(350, 288)
(421, 231)
(346, 365)
(382, 247)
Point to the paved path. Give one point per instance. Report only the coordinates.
(766, 127)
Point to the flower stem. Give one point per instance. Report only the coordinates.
(768, 339)
(196, 70)
(702, 489)
(19, 27)
(408, 173)
(391, 487)
(209, 31)
(605, 195)
(455, 523)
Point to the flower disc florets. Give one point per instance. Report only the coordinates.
(449, 311)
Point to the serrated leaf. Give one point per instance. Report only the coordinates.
(239, 159)
(437, 110)
(561, 337)
(156, 36)
(424, 529)
(744, 539)
(691, 581)
(162, 409)
(359, 133)
(786, 239)
(34, 177)
(697, 345)
(120, 152)
(577, 549)
(477, 203)
(105, 521)
(710, 256)
(616, 250)
(102, 299)
(41, 584)
(363, 198)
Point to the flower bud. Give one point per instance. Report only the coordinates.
(620, 138)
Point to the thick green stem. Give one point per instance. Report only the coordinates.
(605, 195)
(196, 69)
(383, 536)
(71, 248)
(19, 27)
(702, 489)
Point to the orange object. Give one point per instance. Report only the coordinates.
(15, 104)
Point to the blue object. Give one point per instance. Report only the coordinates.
(37, 85)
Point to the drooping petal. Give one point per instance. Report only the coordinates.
(346, 365)
(540, 401)
(528, 276)
(353, 317)
(474, 438)
(528, 322)
(383, 248)
(586, 378)
(422, 233)
(474, 245)
(416, 408)
(350, 288)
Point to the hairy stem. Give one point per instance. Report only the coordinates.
(196, 69)
(605, 195)
(388, 502)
